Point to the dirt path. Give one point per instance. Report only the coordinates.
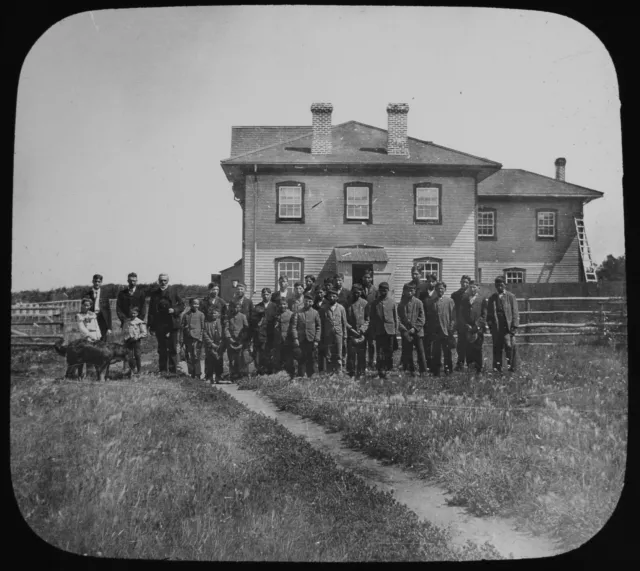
(427, 501)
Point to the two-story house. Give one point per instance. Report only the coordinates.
(346, 198)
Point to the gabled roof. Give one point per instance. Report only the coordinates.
(352, 143)
(522, 183)
(247, 139)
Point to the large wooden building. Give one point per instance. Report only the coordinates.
(350, 197)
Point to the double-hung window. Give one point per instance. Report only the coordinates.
(290, 202)
(428, 266)
(428, 203)
(514, 276)
(487, 224)
(357, 202)
(290, 267)
(546, 221)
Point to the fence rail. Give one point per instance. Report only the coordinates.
(543, 321)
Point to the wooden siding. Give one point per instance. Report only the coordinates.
(567, 270)
(392, 212)
(397, 271)
(516, 231)
(392, 227)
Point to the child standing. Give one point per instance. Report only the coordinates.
(192, 331)
(213, 339)
(134, 330)
(236, 334)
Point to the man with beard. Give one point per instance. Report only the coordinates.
(165, 309)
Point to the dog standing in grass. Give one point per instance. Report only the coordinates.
(100, 354)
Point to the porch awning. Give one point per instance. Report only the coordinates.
(361, 254)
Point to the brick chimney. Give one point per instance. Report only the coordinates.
(397, 129)
(321, 144)
(560, 164)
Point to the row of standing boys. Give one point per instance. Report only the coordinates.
(327, 328)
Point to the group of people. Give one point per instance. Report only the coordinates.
(314, 327)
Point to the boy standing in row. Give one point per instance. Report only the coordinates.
(441, 322)
(503, 320)
(305, 331)
(384, 326)
(134, 330)
(474, 315)
(461, 327)
(357, 326)
(213, 340)
(411, 321)
(192, 330)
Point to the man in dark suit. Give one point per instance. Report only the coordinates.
(503, 321)
(343, 293)
(100, 306)
(420, 287)
(440, 312)
(129, 297)
(165, 310)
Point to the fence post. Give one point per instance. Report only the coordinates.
(527, 308)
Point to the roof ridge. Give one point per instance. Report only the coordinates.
(279, 142)
(556, 180)
(460, 152)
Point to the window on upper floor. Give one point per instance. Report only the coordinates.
(546, 224)
(427, 203)
(515, 275)
(487, 224)
(428, 266)
(292, 268)
(290, 200)
(357, 202)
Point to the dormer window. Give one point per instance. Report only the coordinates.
(290, 199)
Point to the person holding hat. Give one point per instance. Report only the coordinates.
(411, 320)
(334, 331)
(384, 326)
(305, 331)
(357, 326)
(503, 321)
(441, 322)
(474, 315)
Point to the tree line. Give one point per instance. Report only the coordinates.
(109, 290)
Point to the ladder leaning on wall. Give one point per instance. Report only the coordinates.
(585, 251)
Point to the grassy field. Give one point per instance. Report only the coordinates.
(166, 468)
(546, 444)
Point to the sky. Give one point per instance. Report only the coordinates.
(123, 117)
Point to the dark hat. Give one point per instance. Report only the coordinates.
(356, 287)
(308, 296)
(297, 353)
(331, 291)
(499, 279)
(383, 285)
(338, 275)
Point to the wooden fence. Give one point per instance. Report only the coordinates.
(572, 320)
(543, 321)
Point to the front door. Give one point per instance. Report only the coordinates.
(358, 270)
